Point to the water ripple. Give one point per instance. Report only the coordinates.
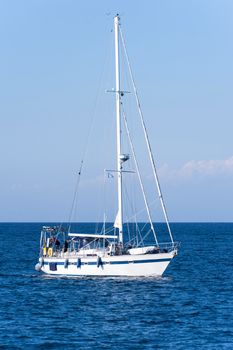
(191, 307)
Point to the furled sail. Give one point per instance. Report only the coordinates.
(117, 222)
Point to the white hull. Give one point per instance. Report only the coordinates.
(122, 265)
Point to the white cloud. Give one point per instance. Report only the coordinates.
(200, 168)
(208, 167)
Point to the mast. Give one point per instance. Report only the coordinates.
(118, 127)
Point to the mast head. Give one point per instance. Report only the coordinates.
(117, 18)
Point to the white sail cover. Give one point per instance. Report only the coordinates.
(117, 222)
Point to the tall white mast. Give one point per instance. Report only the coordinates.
(118, 124)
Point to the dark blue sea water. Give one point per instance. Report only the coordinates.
(191, 307)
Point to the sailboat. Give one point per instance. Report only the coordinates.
(107, 253)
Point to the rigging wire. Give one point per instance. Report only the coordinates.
(90, 131)
(139, 176)
(147, 139)
(74, 201)
(134, 216)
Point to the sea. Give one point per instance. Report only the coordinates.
(190, 307)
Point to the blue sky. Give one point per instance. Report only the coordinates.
(56, 63)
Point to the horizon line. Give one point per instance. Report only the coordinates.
(111, 222)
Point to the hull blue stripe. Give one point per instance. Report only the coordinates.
(110, 263)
